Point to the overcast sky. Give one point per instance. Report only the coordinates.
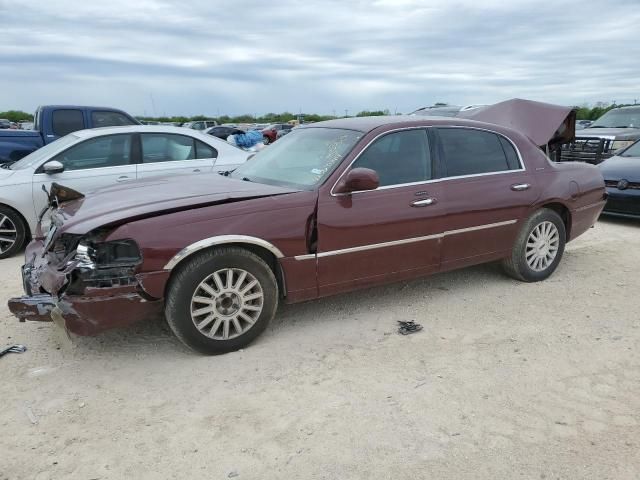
(216, 57)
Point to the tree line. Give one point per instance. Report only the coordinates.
(583, 113)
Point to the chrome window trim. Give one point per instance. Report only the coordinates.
(435, 180)
(393, 243)
(220, 240)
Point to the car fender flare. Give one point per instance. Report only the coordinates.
(221, 240)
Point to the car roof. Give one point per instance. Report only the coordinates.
(96, 132)
(367, 124)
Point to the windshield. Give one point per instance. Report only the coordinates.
(623, 118)
(632, 151)
(302, 159)
(44, 152)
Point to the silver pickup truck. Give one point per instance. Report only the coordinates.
(616, 129)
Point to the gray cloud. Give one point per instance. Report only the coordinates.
(253, 57)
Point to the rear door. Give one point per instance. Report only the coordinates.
(389, 233)
(94, 163)
(487, 191)
(174, 154)
(63, 122)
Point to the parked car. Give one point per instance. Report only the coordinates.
(5, 123)
(582, 124)
(223, 132)
(89, 159)
(622, 179)
(26, 125)
(55, 121)
(444, 110)
(615, 130)
(331, 207)
(200, 124)
(270, 133)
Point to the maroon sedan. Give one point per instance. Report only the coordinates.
(270, 133)
(330, 208)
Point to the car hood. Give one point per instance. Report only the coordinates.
(129, 201)
(5, 173)
(616, 133)
(617, 168)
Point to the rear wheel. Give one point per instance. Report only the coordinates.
(221, 300)
(266, 140)
(538, 248)
(13, 232)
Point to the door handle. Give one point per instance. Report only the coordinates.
(196, 170)
(519, 187)
(423, 203)
(123, 178)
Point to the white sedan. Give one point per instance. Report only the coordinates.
(90, 159)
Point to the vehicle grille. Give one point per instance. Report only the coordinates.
(592, 150)
(614, 184)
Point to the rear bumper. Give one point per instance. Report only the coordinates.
(94, 310)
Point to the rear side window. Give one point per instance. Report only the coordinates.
(472, 152)
(101, 152)
(163, 147)
(205, 151)
(66, 122)
(110, 119)
(400, 157)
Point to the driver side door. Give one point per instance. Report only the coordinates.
(94, 163)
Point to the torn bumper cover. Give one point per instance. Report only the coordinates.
(80, 306)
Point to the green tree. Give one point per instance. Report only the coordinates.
(17, 116)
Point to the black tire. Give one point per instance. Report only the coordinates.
(186, 281)
(266, 140)
(11, 220)
(516, 264)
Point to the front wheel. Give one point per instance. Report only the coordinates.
(13, 232)
(266, 140)
(221, 300)
(538, 248)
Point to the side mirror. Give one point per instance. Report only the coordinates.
(358, 180)
(53, 167)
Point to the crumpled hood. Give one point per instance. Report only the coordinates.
(617, 168)
(145, 198)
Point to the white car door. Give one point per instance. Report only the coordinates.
(91, 164)
(174, 154)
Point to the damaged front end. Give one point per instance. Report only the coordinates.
(83, 282)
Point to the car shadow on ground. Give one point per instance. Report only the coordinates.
(156, 336)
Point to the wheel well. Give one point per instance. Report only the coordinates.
(564, 213)
(27, 229)
(268, 257)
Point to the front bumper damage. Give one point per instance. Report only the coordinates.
(81, 307)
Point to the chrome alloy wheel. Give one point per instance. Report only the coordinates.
(8, 233)
(227, 303)
(542, 246)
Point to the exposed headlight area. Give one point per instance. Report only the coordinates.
(104, 265)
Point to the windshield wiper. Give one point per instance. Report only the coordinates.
(226, 173)
(6, 165)
(246, 179)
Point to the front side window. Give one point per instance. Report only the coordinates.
(101, 152)
(472, 152)
(400, 157)
(110, 119)
(66, 121)
(166, 147)
(302, 159)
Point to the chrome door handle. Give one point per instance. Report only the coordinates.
(423, 203)
(123, 178)
(196, 170)
(519, 187)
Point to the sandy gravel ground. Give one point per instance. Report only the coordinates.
(507, 380)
